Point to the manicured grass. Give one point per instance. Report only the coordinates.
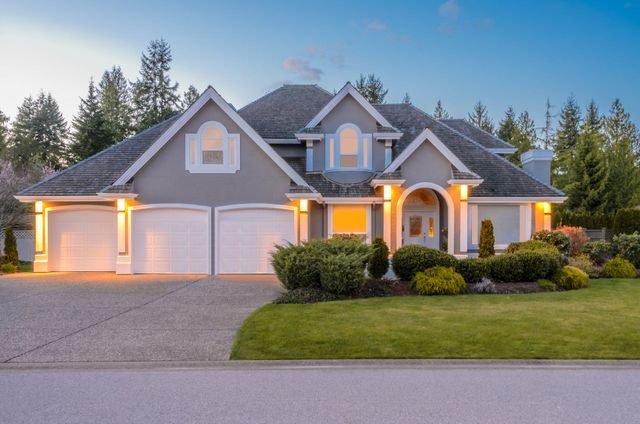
(26, 267)
(601, 321)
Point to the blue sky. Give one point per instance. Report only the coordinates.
(504, 53)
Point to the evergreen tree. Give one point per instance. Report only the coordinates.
(90, 132)
(547, 131)
(623, 175)
(508, 128)
(439, 112)
(155, 97)
(406, 99)
(189, 96)
(371, 88)
(524, 137)
(586, 191)
(39, 134)
(480, 118)
(4, 133)
(565, 143)
(115, 104)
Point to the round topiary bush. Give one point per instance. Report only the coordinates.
(341, 273)
(410, 259)
(379, 259)
(571, 278)
(438, 280)
(473, 270)
(619, 268)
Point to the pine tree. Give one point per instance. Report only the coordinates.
(480, 118)
(508, 127)
(115, 104)
(524, 138)
(565, 143)
(155, 97)
(371, 88)
(623, 174)
(406, 99)
(4, 133)
(586, 191)
(39, 134)
(547, 131)
(90, 132)
(189, 96)
(439, 112)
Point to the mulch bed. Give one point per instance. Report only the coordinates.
(383, 288)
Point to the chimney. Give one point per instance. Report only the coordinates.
(538, 164)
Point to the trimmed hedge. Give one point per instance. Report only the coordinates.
(555, 238)
(598, 251)
(531, 246)
(523, 266)
(379, 259)
(627, 221)
(412, 258)
(619, 268)
(486, 245)
(438, 280)
(571, 278)
(591, 220)
(627, 246)
(473, 270)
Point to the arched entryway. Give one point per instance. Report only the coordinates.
(422, 211)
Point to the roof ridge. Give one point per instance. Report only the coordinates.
(482, 130)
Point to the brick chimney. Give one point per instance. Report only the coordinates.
(538, 164)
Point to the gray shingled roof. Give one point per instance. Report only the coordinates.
(98, 172)
(479, 135)
(461, 175)
(284, 111)
(330, 188)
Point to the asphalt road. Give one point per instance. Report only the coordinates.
(318, 394)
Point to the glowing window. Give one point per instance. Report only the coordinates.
(430, 227)
(212, 146)
(415, 226)
(349, 219)
(349, 148)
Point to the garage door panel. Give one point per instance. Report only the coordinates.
(247, 237)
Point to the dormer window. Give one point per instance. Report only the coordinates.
(348, 149)
(212, 150)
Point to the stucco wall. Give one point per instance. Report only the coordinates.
(505, 219)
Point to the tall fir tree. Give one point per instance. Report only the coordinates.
(480, 118)
(588, 168)
(565, 142)
(189, 96)
(440, 112)
(524, 137)
(372, 89)
(90, 131)
(39, 134)
(155, 97)
(547, 130)
(623, 174)
(508, 127)
(406, 99)
(115, 104)
(4, 133)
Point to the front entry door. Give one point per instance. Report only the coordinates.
(421, 227)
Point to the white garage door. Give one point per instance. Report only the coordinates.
(247, 236)
(170, 241)
(82, 240)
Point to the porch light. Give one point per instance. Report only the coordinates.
(304, 205)
(120, 204)
(387, 192)
(546, 207)
(464, 192)
(38, 206)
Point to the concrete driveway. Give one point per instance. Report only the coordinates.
(80, 317)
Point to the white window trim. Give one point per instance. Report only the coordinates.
(224, 168)
(330, 231)
(336, 150)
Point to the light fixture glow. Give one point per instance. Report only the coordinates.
(464, 192)
(546, 207)
(38, 206)
(304, 205)
(387, 192)
(120, 204)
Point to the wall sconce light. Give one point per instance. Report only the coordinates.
(304, 205)
(546, 207)
(387, 192)
(120, 204)
(464, 192)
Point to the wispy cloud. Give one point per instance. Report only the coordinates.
(376, 25)
(449, 10)
(302, 68)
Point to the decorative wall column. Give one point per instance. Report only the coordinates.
(123, 260)
(525, 222)
(304, 220)
(464, 222)
(41, 260)
(546, 207)
(386, 224)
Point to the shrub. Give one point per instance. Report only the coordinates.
(555, 238)
(619, 268)
(379, 259)
(531, 246)
(626, 221)
(341, 273)
(543, 283)
(305, 295)
(486, 246)
(599, 251)
(473, 270)
(296, 266)
(570, 278)
(583, 263)
(10, 247)
(577, 238)
(410, 259)
(438, 280)
(627, 246)
(523, 266)
(591, 220)
(8, 268)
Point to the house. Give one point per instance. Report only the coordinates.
(212, 189)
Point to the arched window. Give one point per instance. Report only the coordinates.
(348, 149)
(212, 150)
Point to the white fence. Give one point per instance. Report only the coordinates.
(25, 242)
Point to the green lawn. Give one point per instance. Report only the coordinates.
(26, 267)
(598, 322)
